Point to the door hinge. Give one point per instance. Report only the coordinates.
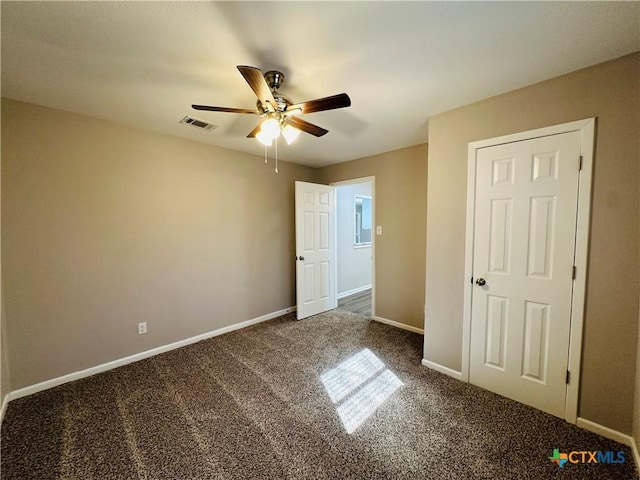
(573, 272)
(568, 377)
(580, 163)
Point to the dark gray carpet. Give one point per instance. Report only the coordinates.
(252, 404)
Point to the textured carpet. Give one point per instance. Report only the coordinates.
(259, 403)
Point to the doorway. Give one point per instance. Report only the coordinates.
(354, 219)
(528, 209)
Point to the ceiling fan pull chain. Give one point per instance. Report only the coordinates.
(276, 154)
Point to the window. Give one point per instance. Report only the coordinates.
(363, 220)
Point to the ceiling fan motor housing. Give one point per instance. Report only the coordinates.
(281, 103)
(275, 79)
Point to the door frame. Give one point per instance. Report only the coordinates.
(343, 183)
(587, 129)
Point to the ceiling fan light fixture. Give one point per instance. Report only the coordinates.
(264, 139)
(270, 128)
(290, 134)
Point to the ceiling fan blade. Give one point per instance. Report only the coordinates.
(224, 109)
(255, 131)
(307, 127)
(258, 84)
(340, 100)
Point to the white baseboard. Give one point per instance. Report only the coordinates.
(605, 431)
(398, 325)
(353, 291)
(3, 409)
(442, 369)
(54, 382)
(611, 434)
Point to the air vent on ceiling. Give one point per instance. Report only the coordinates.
(194, 122)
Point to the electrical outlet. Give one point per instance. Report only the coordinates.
(142, 328)
(378, 229)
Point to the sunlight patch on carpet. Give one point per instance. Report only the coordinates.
(365, 383)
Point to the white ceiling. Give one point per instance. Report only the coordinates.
(144, 63)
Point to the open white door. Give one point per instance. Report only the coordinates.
(315, 249)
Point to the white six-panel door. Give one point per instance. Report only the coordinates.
(524, 242)
(315, 250)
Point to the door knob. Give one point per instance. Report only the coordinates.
(300, 257)
(481, 282)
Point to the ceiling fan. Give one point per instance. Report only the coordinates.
(279, 112)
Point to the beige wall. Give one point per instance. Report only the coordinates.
(4, 352)
(609, 91)
(400, 207)
(105, 226)
(5, 383)
(636, 415)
